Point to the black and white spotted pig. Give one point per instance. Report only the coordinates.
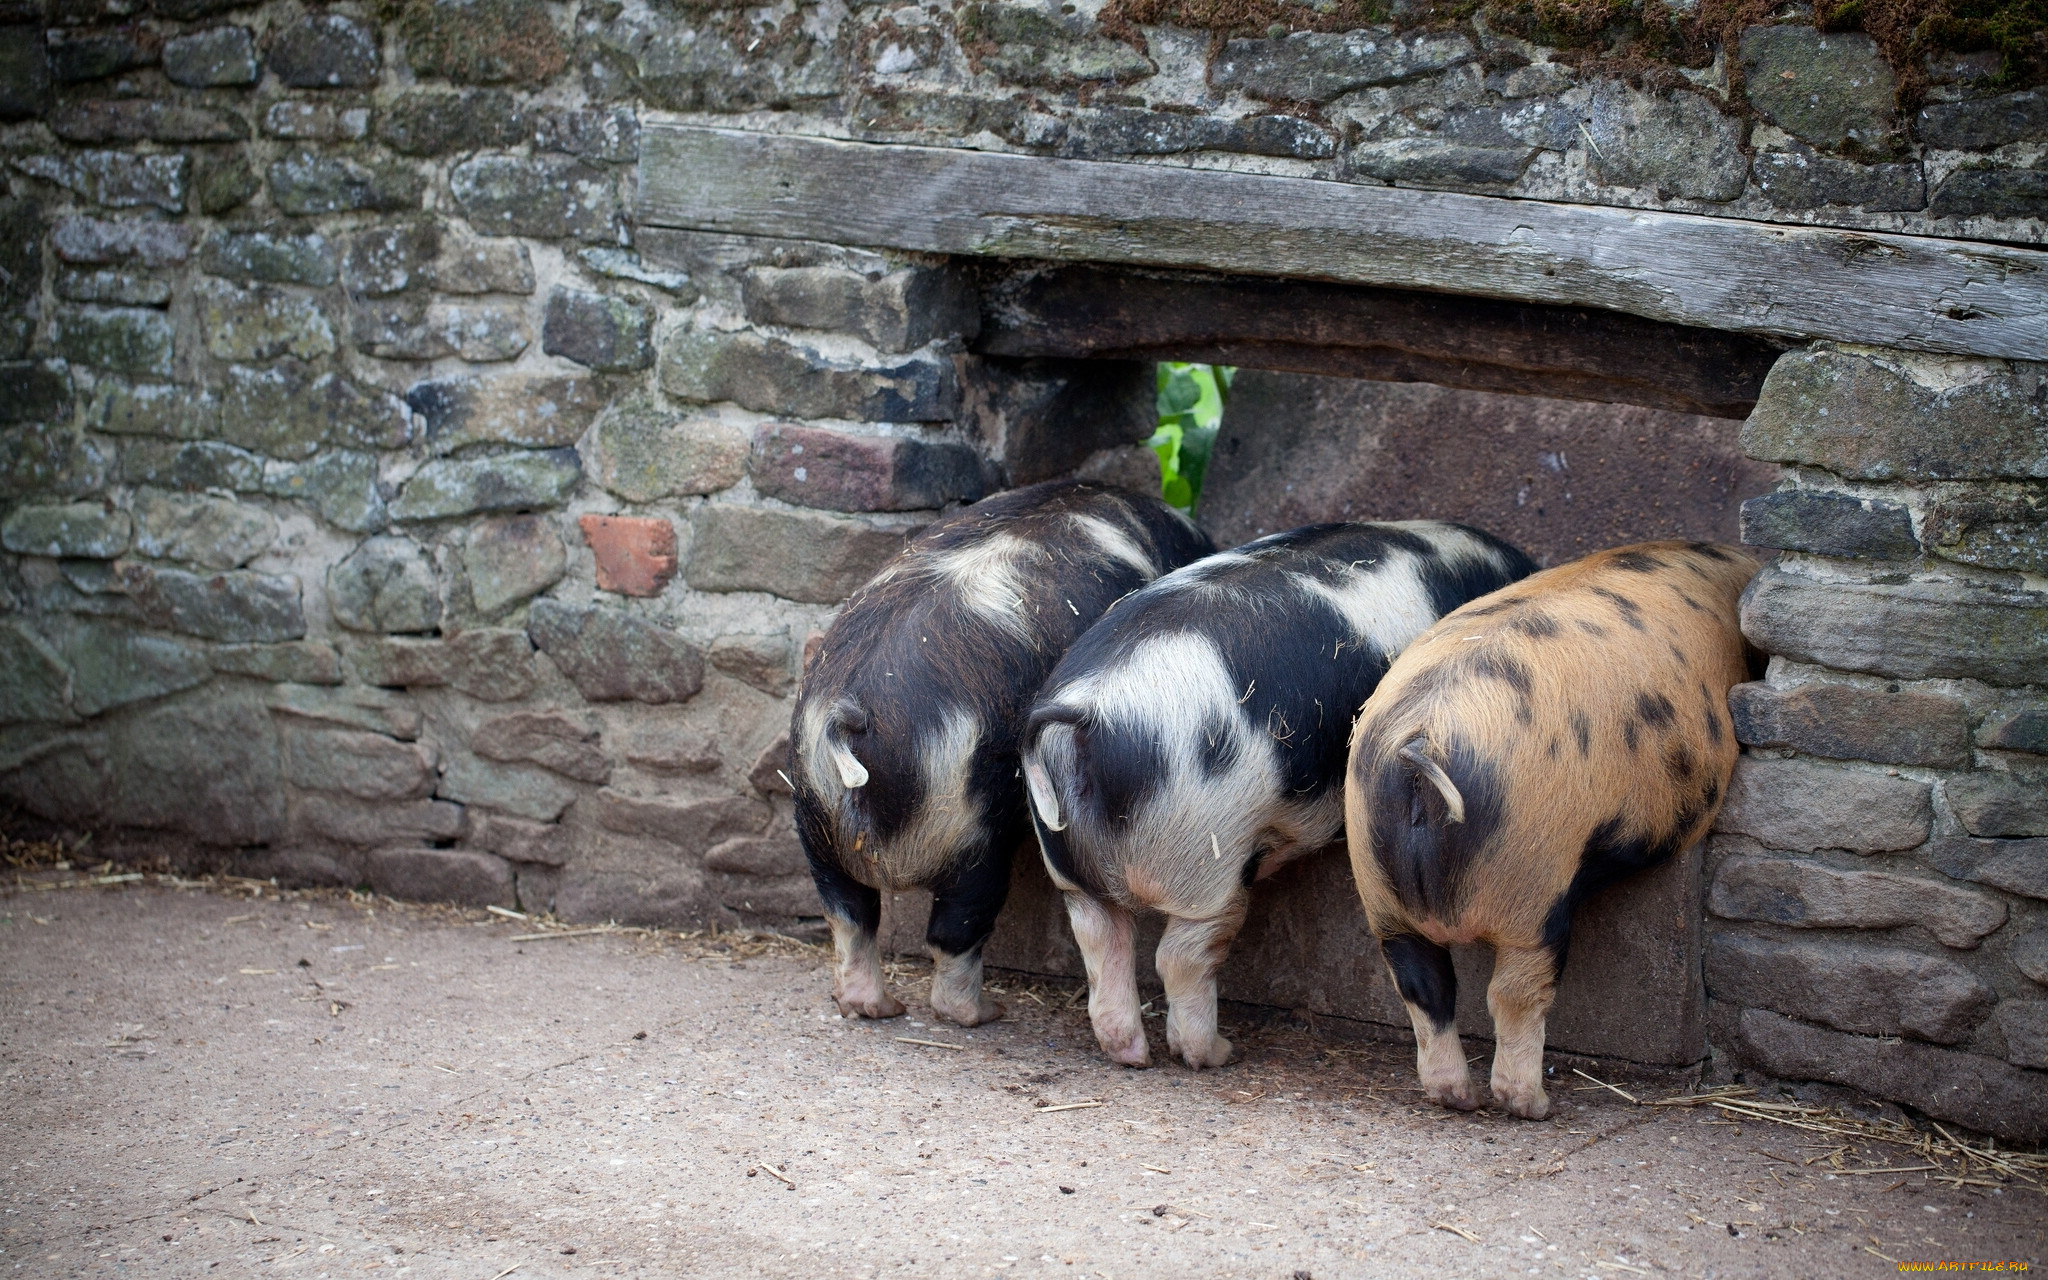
(1195, 738)
(1527, 752)
(903, 744)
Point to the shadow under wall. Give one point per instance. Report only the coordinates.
(1632, 986)
(1558, 478)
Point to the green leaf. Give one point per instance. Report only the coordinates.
(1181, 393)
(1191, 399)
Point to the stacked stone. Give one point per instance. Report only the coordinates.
(1793, 125)
(1879, 879)
(315, 557)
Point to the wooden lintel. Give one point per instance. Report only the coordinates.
(1786, 282)
(1388, 335)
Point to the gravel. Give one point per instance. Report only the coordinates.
(199, 1083)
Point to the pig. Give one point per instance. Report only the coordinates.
(1194, 741)
(1528, 751)
(903, 741)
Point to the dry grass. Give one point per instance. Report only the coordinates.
(1948, 1159)
(38, 855)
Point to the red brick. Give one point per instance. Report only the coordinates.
(838, 471)
(636, 555)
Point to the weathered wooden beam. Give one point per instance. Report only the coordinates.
(1387, 335)
(1786, 282)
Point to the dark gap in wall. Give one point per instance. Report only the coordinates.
(1559, 478)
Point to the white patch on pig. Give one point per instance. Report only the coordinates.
(988, 576)
(1384, 603)
(1115, 543)
(1199, 573)
(1190, 836)
(814, 750)
(947, 821)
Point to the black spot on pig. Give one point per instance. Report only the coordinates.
(1422, 970)
(1423, 855)
(1452, 582)
(1631, 612)
(1656, 709)
(1251, 867)
(1582, 728)
(966, 901)
(1053, 844)
(1637, 562)
(1506, 668)
(1537, 626)
(1122, 768)
(1612, 853)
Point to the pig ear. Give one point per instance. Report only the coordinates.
(1043, 798)
(852, 773)
(1454, 803)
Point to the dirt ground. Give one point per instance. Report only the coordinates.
(203, 1083)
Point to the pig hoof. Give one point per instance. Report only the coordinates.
(1131, 1051)
(1530, 1104)
(1459, 1097)
(1215, 1054)
(881, 1006)
(972, 1015)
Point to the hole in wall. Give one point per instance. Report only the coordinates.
(1558, 478)
(1562, 429)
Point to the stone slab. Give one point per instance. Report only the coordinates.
(1983, 1093)
(1792, 282)
(1632, 987)
(1558, 478)
(1388, 335)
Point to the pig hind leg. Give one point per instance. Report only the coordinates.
(1429, 987)
(1108, 938)
(854, 912)
(1524, 984)
(963, 915)
(1189, 954)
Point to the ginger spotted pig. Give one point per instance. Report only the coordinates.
(1194, 740)
(1526, 752)
(903, 743)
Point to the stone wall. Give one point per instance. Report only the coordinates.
(378, 507)
(382, 502)
(1878, 884)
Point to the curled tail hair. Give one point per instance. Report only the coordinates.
(844, 719)
(1038, 779)
(1415, 754)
